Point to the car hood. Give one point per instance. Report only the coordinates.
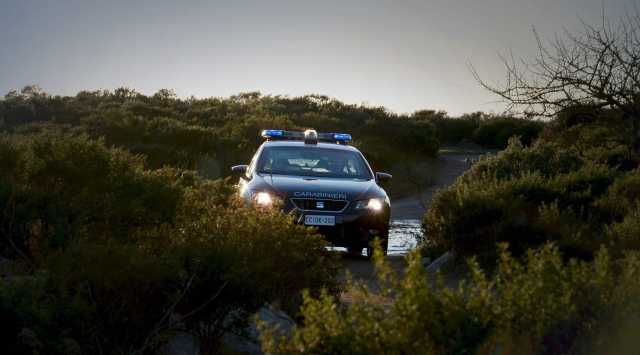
(321, 188)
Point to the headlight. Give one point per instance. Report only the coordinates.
(373, 204)
(263, 199)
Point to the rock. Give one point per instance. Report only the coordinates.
(71, 347)
(181, 343)
(7, 267)
(437, 264)
(251, 343)
(29, 338)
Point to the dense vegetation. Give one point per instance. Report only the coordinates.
(485, 130)
(112, 257)
(574, 186)
(209, 135)
(117, 237)
(552, 234)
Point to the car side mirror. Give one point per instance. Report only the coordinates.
(240, 170)
(383, 177)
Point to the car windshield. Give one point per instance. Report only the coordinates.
(318, 162)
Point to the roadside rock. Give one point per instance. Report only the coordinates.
(6, 268)
(250, 343)
(181, 344)
(437, 264)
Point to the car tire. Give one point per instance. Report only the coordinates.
(354, 250)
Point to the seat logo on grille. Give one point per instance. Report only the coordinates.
(320, 204)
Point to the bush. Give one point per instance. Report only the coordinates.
(523, 196)
(209, 135)
(602, 136)
(163, 140)
(625, 235)
(488, 131)
(517, 160)
(539, 305)
(60, 188)
(206, 276)
(496, 131)
(451, 130)
(266, 245)
(24, 314)
(622, 197)
(110, 298)
(123, 257)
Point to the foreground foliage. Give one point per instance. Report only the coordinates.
(111, 257)
(541, 304)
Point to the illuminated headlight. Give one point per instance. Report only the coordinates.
(263, 199)
(374, 204)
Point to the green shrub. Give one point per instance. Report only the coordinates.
(489, 131)
(61, 188)
(625, 235)
(525, 197)
(27, 318)
(163, 140)
(209, 135)
(622, 197)
(248, 258)
(544, 159)
(269, 245)
(451, 130)
(205, 276)
(111, 298)
(539, 305)
(496, 131)
(599, 135)
(122, 257)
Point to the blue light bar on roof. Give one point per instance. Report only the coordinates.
(272, 133)
(342, 137)
(280, 134)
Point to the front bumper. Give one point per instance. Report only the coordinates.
(353, 227)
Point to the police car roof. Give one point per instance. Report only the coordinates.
(299, 143)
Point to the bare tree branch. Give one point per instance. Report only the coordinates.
(600, 67)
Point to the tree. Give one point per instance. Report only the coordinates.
(598, 67)
(32, 91)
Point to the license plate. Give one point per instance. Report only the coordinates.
(312, 220)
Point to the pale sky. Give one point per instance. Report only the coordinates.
(404, 54)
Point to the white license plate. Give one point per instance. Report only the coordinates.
(312, 220)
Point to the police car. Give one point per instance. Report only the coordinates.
(324, 181)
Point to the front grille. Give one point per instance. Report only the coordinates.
(310, 204)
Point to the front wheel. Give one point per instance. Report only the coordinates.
(354, 250)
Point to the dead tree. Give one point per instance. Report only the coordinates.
(597, 67)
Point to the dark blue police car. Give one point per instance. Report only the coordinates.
(324, 181)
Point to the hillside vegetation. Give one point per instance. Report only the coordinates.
(210, 135)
